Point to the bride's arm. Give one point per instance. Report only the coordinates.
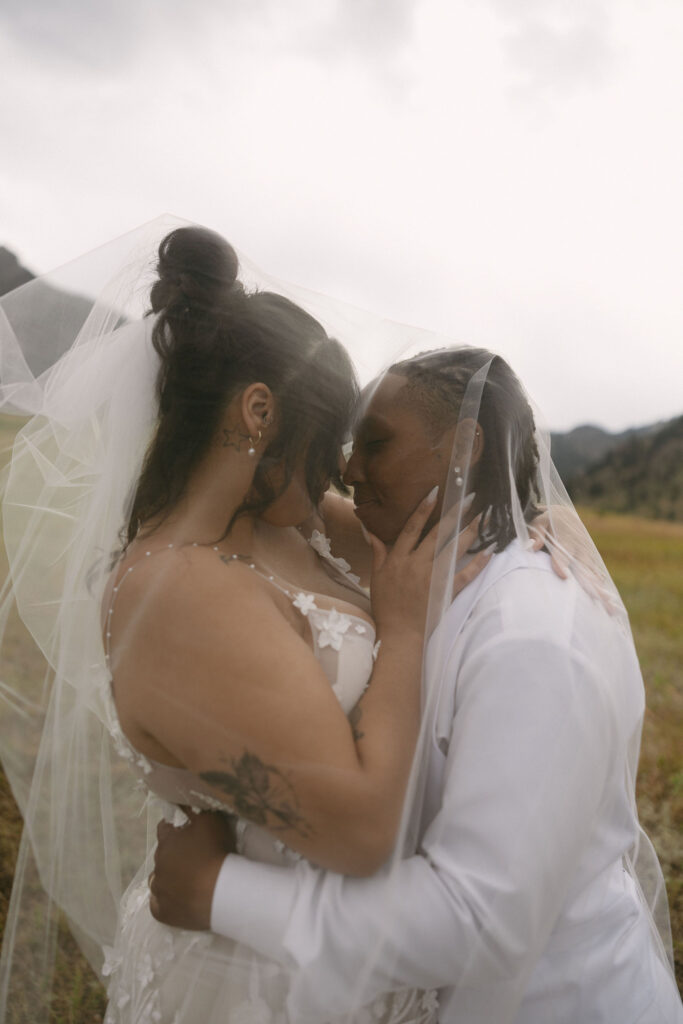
(498, 857)
(237, 696)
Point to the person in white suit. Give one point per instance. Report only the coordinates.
(522, 888)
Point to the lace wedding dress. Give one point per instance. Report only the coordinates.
(163, 975)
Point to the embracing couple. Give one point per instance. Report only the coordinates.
(395, 740)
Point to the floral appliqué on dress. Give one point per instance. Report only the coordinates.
(320, 543)
(330, 624)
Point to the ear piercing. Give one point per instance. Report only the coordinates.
(251, 450)
(458, 471)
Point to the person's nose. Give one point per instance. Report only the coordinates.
(353, 474)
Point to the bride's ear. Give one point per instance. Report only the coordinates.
(257, 408)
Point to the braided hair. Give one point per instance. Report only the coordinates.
(436, 385)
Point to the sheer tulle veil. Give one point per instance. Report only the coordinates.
(78, 381)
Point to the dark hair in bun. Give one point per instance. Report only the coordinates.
(214, 339)
(196, 266)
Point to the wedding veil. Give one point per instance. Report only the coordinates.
(78, 375)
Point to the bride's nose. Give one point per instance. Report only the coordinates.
(353, 474)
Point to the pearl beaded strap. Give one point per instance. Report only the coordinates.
(246, 559)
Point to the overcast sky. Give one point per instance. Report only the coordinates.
(507, 172)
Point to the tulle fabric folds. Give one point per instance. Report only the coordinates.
(78, 391)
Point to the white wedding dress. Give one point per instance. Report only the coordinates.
(163, 975)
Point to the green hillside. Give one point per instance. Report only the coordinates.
(642, 476)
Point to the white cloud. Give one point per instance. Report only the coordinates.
(556, 46)
(380, 151)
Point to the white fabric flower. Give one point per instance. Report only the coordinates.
(320, 543)
(334, 625)
(112, 961)
(180, 819)
(145, 970)
(304, 602)
(430, 1000)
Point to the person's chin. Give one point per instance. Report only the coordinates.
(374, 518)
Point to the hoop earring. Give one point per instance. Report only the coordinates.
(458, 479)
(251, 450)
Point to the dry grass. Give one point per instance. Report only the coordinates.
(645, 558)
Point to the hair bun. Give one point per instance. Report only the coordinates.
(195, 266)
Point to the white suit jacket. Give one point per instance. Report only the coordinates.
(517, 906)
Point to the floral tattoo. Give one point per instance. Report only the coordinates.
(260, 793)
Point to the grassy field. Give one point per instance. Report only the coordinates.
(646, 561)
(645, 558)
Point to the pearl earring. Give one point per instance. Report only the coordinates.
(458, 478)
(251, 450)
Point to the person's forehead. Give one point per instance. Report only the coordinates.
(381, 402)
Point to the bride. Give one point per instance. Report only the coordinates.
(233, 653)
(236, 652)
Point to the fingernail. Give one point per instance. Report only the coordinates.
(491, 548)
(431, 497)
(529, 545)
(467, 501)
(366, 533)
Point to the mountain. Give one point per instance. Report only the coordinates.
(639, 471)
(12, 274)
(49, 325)
(585, 446)
(641, 475)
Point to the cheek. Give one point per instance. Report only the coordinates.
(408, 477)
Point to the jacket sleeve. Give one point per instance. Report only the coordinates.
(525, 774)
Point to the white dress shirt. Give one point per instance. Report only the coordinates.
(517, 906)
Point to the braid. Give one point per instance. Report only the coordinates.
(437, 385)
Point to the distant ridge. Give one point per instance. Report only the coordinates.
(49, 325)
(637, 471)
(641, 475)
(12, 274)
(579, 449)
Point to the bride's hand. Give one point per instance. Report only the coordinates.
(542, 535)
(187, 861)
(571, 554)
(402, 576)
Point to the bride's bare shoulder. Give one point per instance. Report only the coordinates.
(196, 586)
